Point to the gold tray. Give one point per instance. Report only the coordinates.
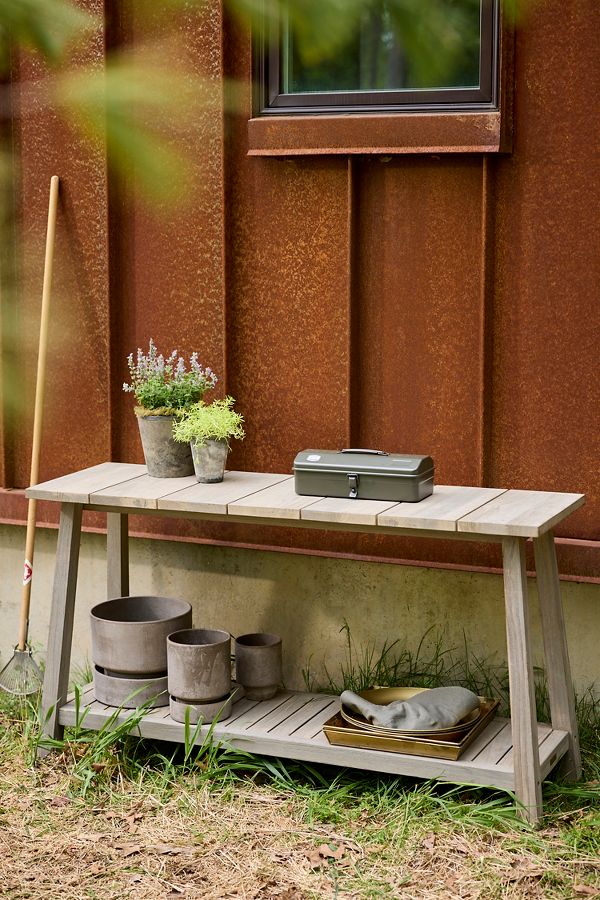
(342, 734)
(383, 696)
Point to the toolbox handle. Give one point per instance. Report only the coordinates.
(356, 450)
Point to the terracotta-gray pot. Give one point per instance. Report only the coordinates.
(129, 634)
(130, 693)
(209, 460)
(258, 666)
(165, 457)
(199, 665)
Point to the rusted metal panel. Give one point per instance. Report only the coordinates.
(77, 384)
(441, 305)
(545, 406)
(173, 256)
(288, 336)
(376, 134)
(288, 296)
(418, 386)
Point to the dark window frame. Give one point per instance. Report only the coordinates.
(270, 101)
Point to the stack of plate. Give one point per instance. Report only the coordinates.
(349, 729)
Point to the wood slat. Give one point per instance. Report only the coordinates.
(215, 498)
(553, 750)
(496, 748)
(343, 511)
(521, 513)
(483, 740)
(303, 716)
(77, 487)
(543, 733)
(257, 711)
(276, 717)
(140, 493)
(277, 502)
(311, 728)
(242, 706)
(440, 511)
(279, 727)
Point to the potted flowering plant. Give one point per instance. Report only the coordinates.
(207, 428)
(164, 388)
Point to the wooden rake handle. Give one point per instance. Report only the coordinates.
(38, 412)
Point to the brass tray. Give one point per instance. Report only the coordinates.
(383, 696)
(342, 734)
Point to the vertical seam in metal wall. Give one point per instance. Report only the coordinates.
(354, 300)
(350, 298)
(223, 255)
(114, 15)
(486, 321)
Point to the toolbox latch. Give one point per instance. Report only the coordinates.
(353, 485)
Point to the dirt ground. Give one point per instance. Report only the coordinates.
(242, 840)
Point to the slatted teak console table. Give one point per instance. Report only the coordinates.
(513, 755)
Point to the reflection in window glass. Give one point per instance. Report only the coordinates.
(399, 46)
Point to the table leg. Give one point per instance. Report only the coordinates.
(558, 669)
(58, 658)
(526, 755)
(117, 555)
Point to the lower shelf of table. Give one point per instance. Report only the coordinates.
(290, 725)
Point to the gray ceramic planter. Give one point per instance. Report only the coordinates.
(199, 665)
(209, 461)
(165, 457)
(129, 634)
(130, 693)
(258, 664)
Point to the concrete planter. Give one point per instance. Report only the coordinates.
(130, 693)
(129, 634)
(165, 458)
(258, 666)
(199, 665)
(209, 461)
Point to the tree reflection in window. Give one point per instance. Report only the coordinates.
(400, 45)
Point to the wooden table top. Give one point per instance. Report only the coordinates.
(266, 496)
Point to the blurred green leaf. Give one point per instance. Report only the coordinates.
(143, 113)
(321, 26)
(48, 26)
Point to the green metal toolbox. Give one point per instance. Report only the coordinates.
(363, 474)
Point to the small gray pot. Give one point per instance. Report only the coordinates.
(199, 665)
(165, 457)
(209, 460)
(258, 664)
(129, 634)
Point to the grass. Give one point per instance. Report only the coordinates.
(108, 815)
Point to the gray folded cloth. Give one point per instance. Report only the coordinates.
(436, 708)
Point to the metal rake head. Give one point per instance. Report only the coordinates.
(21, 675)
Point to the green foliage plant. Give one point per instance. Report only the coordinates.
(166, 386)
(216, 421)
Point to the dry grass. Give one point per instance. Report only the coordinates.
(149, 830)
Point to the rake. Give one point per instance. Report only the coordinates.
(21, 675)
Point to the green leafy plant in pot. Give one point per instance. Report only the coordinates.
(208, 428)
(164, 388)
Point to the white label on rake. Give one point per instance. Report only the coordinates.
(27, 572)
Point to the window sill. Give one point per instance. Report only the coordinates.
(439, 132)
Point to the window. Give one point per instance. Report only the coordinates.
(402, 55)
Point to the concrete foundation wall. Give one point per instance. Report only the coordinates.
(305, 599)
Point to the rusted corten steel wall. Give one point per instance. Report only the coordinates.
(433, 303)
